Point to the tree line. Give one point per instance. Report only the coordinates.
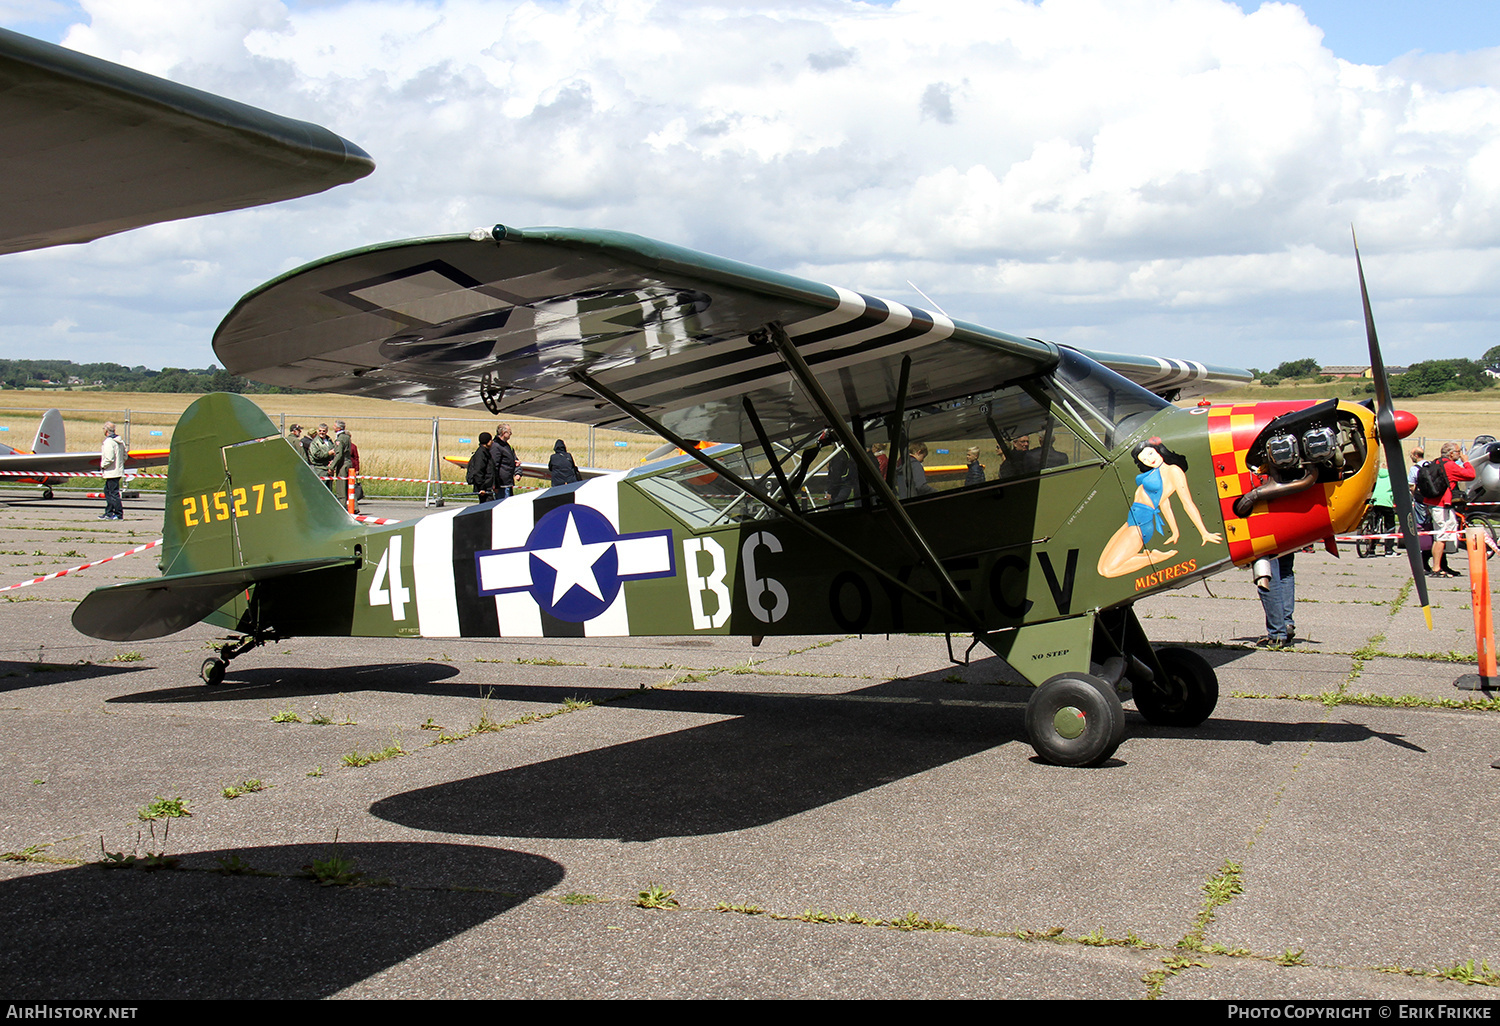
(115, 377)
(1428, 377)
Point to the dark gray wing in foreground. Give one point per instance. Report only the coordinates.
(92, 148)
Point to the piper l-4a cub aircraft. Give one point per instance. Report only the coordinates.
(1096, 491)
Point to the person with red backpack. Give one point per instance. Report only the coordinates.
(1434, 488)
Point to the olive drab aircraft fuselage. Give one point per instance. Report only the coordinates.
(665, 549)
(1084, 491)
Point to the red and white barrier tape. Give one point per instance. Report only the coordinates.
(162, 477)
(72, 473)
(1389, 537)
(85, 566)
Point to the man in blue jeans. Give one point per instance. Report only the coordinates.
(112, 469)
(1277, 597)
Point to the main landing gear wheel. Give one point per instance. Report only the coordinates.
(212, 670)
(1075, 719)
(46, 494)
(1184, 696)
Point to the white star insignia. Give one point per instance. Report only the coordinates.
(574, 562)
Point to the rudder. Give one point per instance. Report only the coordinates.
(50, 436)
(238, 494)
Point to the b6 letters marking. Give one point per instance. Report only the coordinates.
(208, 507)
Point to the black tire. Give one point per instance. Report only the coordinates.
(1075, 719)
(1188, 694)
(46, 494)
(1371, 524)
(212, 670)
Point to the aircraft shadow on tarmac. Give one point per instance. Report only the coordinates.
(17, 675)
(297, 681)
(781, 754)
(126, 933)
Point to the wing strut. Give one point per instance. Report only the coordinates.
(895, 425)
(764, 497)
(868, 468)
(765, 444)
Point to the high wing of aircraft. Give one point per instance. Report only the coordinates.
(1095, 491)
(93, 148)
(49, 457)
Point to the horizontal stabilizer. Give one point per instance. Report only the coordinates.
(165, 605)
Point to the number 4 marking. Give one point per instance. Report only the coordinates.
(398, 596)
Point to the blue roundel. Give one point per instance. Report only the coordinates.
(574, 543)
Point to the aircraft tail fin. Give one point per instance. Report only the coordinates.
(49, 434)
(239, 495)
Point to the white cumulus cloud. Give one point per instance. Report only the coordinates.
(1148, 175)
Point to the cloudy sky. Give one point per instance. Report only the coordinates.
(1174, 177)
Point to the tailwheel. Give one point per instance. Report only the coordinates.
(212, 670)
(1184, 695)
(1075, 719)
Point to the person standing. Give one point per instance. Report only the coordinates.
(1278, 598)
(320, 452)
(504, 459)
(1444, 520)
(354, 472)
(480, 472)
(343, 460)
(294, 436)
(1383, 506)
(841, 479)
(975, 474)
(911, 475)
(112, 469)
(561, 465)
(1421, 512)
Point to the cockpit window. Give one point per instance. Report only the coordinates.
(990, 437)
(1113, 407)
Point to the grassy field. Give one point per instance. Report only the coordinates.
(394, 439)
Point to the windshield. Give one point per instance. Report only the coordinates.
(1111, 406)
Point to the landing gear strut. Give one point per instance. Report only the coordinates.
(1173, 687)
(213, 668)
(1183, 694)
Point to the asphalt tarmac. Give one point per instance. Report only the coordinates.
(831, 817)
